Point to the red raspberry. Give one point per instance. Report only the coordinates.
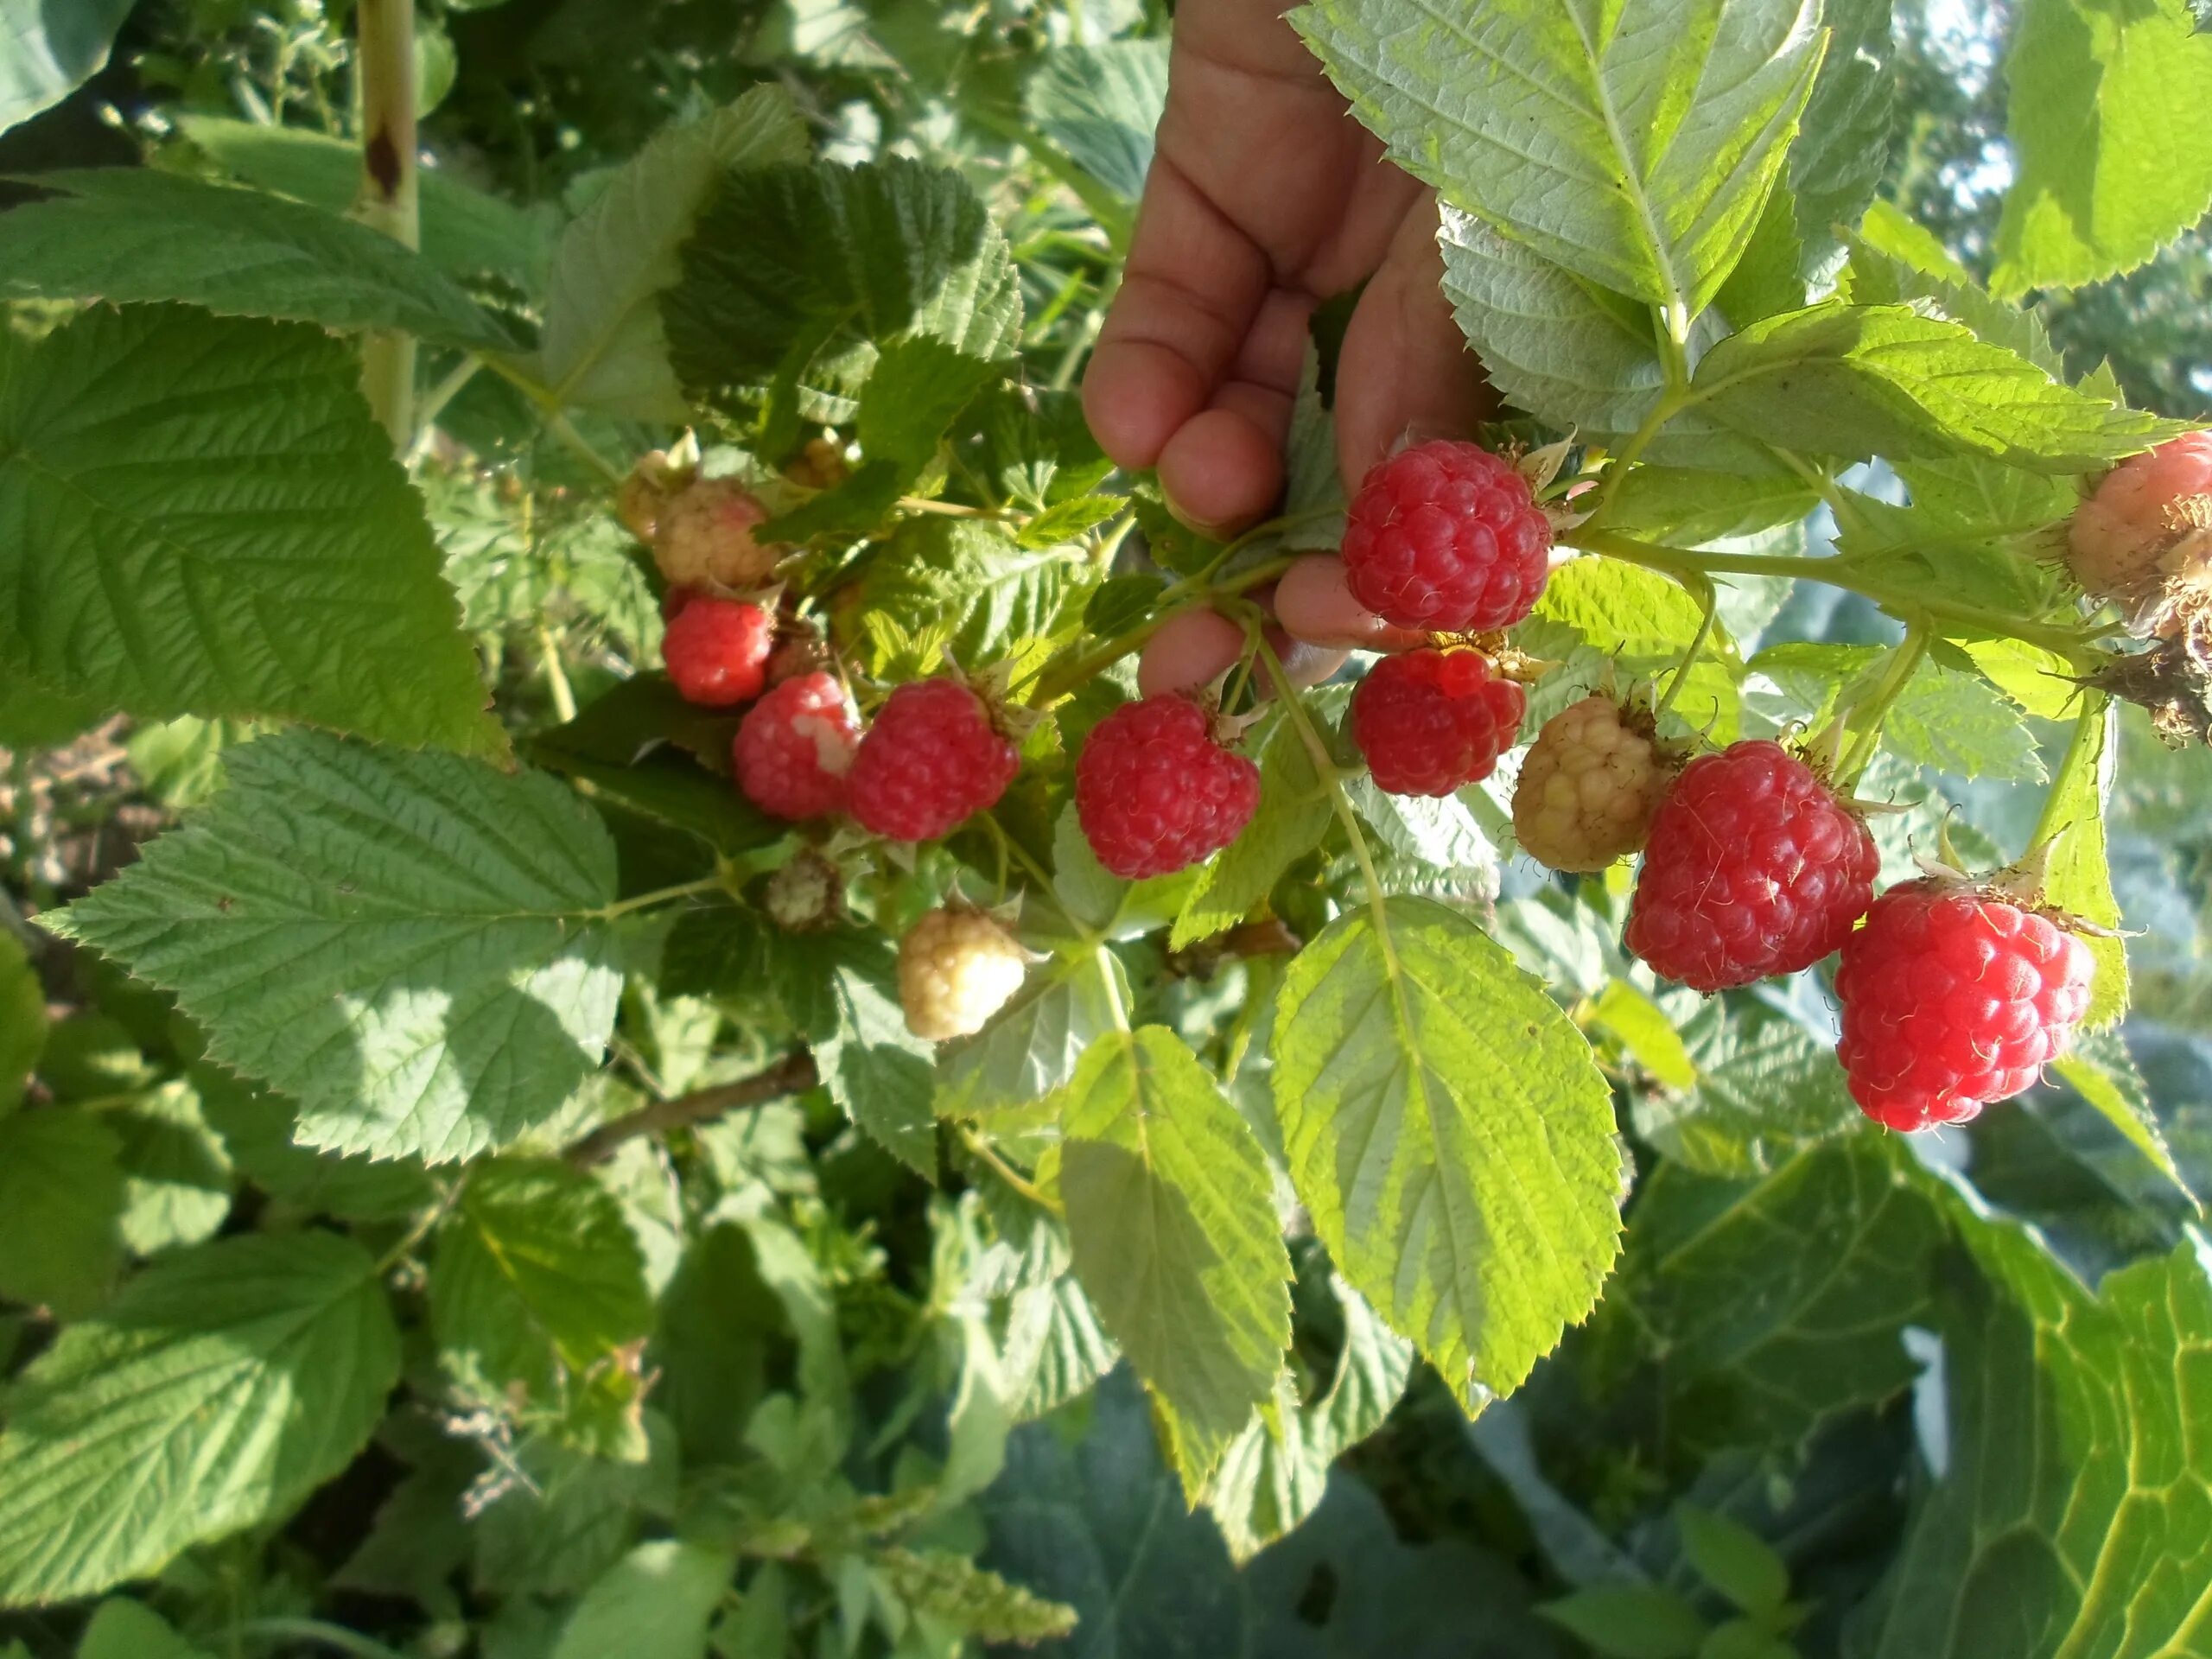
(1753, 867)
(1430, 721)
(717, 651)
(795, 745)
(1154, 792)
(1448, 538)
(1952, 998)
(932, 759)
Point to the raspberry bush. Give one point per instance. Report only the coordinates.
(677, 981)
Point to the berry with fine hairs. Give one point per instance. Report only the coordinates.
(702, 536)
(1155, 793)
(1431, 721)
(1952, 997)
(717, 650)
(1448, 538)
(932, 759)
(1753, 867)
(795, 745)
(957, 969)
(2144, 538)
(1593, 778)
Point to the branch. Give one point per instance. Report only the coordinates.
(388, 201)
(794, 1074)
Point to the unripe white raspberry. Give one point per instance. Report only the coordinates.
(1593, 778)
(703, 537)
(957, 969)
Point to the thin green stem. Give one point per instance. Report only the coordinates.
(1617, 470)
(563, 428)
(658, 896)
(1053, 684)
(314, 1630)
(1847, 515)
(557, 676)
(953, 509)
(1005, 1172)
(389, 197)
(1105, 960)
(1331, 777)
(1708, 604)
(1868, 714)
(434, 402)
(425, 1225)
(2088, 729)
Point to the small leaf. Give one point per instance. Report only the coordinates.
(1630, 1621)
(1293, 816)
(225, 1384)
(654, 1603)
(130, 1629)
(1645, 1031)
(406, 943)
(846, 1002)
(2079, 876)
(1734, 1559)
(1172, 1219)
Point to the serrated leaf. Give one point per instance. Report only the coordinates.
(2079, 875)
(1100, 104)
(256, 1128)
(1734, 1559)
(406, 943)
(1765, 1089)
(1691, 508)
(1068, 521)
(1857, 381)
(2103, 124)
(2103, 1073)
(655, 1603)
(176, 1170)
(61, 1209)
(135, 234)
(1642, 1027)
(1610, 140)
(1171, 1217)
(1642, 623)
(971, 586)
(1773, 1305)
(844, 999)
(536, 1283)
(48, 52)
(1032, 1046)
(1843, 143)
(223, 1386)
(1093, 897)
(1293, 815)
(1957, 722)
(1451, 1136)
(248, 549)
(603, 346)
(1895, 259)
(2076, 1490)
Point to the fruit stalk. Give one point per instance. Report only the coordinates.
(388, 200)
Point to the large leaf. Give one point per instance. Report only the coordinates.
(1100, 105)
(2106, 129)
(134, 233)
(1764, 1088)
(1771, 1305)
(406, 943)
(844, 999)
(204, 520)
(60, 1208)
(47, 51)
(951, 586)
(1172, 1218)
(603, 345)
(1451, 1136)
(1611, 139)
(2074, 1515)
(1856, 381)
(1843, 145)
(222, 1387)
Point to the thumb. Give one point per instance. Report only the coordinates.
(1405, 369)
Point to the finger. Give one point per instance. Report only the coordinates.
(1405, 369)
(1223, 469)
(1193, 285)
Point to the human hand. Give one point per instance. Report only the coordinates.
(1265, 197)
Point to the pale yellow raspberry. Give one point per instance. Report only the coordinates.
(957, 969)
(1592, 779)
(703, 537)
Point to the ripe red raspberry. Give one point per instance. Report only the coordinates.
(1953, 997)
(795, 745)
(1593, 778)
(1154, 792)
(2145, 537)
(717, 651)
(1753, 867)
(702, 536)
(932, 759)
(1430, 721)
(1448, 538)
(957, 969)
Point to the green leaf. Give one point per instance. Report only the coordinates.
(874, 1068)
(1096, 899)
(465, 231)
(1172, 1219)
(34, 716)
(22, 1020)
(536, 1284)
(1451, 1136)
(177, 1172)
(137, 234)
(1689, 508)
(61, 1209)
(225, 1384)
(1034, 1044)
(2103, 1073)
(1610, 140)
(806, 271)
(130, 1629)
(1293, 815)
(256, 1130)
(1773, 1305)
(1765, 1089)
(2104, 123)
(1734, 1559)
(1642, 623)
(1957, 722)
(2075, 1513)
(1100, 105)
(248, 549)
(1843, 143)
(654, 1603)
(409, 944)
(46, 52)
(2079, 875)
(1896, 260)
(1643, 1028)
(1630, 1621)
(603, 346)
(961, 588)
(1857, 381)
